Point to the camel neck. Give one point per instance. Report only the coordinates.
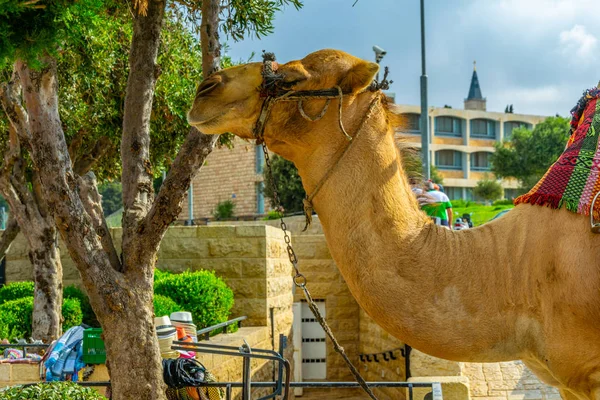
(387, 250)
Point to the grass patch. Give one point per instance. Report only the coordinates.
(480, 214)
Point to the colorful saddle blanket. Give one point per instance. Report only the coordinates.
(574, 179)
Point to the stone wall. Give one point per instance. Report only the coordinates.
(251, 259)
(506, 380)
(373, 339)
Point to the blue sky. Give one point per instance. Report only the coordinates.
(536, 54)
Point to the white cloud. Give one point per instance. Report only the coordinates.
(577, 42)
(535, 100)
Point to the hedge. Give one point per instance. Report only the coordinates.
(164, 305)
(15, 315)
(202, 293)
(16, 290)
(51, 391)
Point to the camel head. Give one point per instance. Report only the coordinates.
(230, 101)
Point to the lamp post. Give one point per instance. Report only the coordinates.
(424, 113)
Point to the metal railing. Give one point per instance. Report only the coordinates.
(205, 332)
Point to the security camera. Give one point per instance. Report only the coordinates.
(379, 52)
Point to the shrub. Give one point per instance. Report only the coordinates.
(16, 290)
(273, 214)
(503, 202)
(72, 313)
(89, 317)
(164, 305)
(16, 315)
(51, 391)
(159, 274)
(225, 209)
(10, 333)
(202, 293)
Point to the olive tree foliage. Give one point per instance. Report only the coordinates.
(118, 280)
(92, 69)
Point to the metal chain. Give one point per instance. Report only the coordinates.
(300, 281)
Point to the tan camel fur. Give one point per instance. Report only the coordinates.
(525, 286)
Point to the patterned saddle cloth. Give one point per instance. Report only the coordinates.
(573, 180)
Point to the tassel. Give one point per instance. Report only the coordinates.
(308, 210)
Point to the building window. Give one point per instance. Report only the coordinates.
(411, 122)
(483, 128)
(448, 126)
(448, 159)
(453, 193)
(510, 125)
(480, 161)
(259, 159)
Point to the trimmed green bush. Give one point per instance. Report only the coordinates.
(160, 274)
(10, 333)
(89, 317)
(16, 315)
(16, 290)
(202, 293)
(164, 305)
(72, 314)
(51, 391)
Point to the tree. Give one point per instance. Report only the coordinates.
(119, 288)
(488, 189)
(92, 74)
(527, 155)
(289, 185)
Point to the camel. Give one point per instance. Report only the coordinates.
(523, 287)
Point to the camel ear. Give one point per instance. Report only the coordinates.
(293, 73)
(359, 77)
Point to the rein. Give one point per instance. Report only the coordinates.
(272, 93)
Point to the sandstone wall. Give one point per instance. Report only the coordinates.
(373, 339)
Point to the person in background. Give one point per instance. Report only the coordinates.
(441, 209)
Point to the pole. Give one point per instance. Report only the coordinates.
(424, 106)
(190, 220)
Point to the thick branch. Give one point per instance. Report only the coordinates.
(209, 37)
(9, 235)
(164, 211)
(135, 146)
(92, 202)
(51, 157)
(84, 164)
(196, 148)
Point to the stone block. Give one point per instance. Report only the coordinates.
(258, 230)
(525, 395)
(212, 231)
(453, 387)
(422, 364)
(100, 374)
(250, 247)
(248, 288)
(26, 372)
(182, 231)
(254, 268)
(5, 374)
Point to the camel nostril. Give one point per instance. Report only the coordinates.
(207, 86)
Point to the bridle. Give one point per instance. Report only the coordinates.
(271, 90)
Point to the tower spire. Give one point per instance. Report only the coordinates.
(475, 101)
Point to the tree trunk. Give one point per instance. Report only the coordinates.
(132, 347)
(47, 275)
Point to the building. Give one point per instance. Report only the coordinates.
(461, 144)
(461, 141)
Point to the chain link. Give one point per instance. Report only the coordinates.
(300, 280)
